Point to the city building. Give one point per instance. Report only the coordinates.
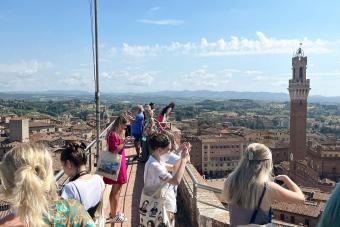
(299, 87)
(18, 128)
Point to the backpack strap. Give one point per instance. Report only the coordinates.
(253, 217)
(78, 192)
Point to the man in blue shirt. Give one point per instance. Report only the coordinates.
(137, 128)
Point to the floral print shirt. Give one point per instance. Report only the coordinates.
(69, 213)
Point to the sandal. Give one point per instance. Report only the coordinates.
(119, 218)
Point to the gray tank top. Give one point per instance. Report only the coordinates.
(243, 216)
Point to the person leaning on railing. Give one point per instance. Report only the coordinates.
(249, 189)
(82, 186)
(27, 177)
(156, 172)
(331, 215)
(164, 115)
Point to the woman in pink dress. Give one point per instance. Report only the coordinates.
(116, 143)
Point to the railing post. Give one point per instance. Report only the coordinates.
(194, 202)
(90, 159)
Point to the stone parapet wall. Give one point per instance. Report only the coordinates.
(199, 213)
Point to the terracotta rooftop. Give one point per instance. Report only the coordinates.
(321, 196)
(306, 209)
(40, 124)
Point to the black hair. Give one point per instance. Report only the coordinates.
(158, 141)
(74, 152)
(152, 105)
(165, 109)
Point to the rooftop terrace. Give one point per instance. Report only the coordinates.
(197, 202)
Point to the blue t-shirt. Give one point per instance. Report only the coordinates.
(136, 127)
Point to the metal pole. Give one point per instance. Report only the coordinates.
(90, 159)
(97, 81)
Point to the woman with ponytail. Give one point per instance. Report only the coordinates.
(250, 189)
(28, 181)
(82, 186)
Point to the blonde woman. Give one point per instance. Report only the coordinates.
(250, 189)
(27, 177)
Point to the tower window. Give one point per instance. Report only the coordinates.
(282, 217)
(301, 74)
(307, 222)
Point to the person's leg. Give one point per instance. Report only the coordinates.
(137, 145)
(145, 151)
(114, 199)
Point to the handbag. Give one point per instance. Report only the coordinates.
(152, 211)
(253, 217)
(109, 164)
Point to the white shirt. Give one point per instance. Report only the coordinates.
(171, 193)
(90, 190)
(155, 174)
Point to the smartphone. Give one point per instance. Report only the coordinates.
(279, 182)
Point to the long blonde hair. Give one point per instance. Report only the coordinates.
(27, 177)
(121, 119)
(244, 185)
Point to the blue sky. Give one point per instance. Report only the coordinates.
(169, 45)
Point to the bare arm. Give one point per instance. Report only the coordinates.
(293, 194)
(176, 180)
(119, 148)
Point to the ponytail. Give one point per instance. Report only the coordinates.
(27, 177)
(30, 196)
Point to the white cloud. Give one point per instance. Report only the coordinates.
(142, 80)
(124, 77)
(79, 80)
(24, 68)
(153, 9)
(161, 22)
(139, 51)
(105, 75)
(202, 78)
(262, 44)
(256, 73)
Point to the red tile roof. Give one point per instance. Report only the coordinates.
(306, 209)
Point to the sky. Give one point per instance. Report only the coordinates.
(156, 45)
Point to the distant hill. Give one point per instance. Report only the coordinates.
(166, 95)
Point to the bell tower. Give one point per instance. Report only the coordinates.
(298, 91)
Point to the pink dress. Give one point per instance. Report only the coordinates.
(113, 141)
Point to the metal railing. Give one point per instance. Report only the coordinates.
(88, 151)
(197, 185)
